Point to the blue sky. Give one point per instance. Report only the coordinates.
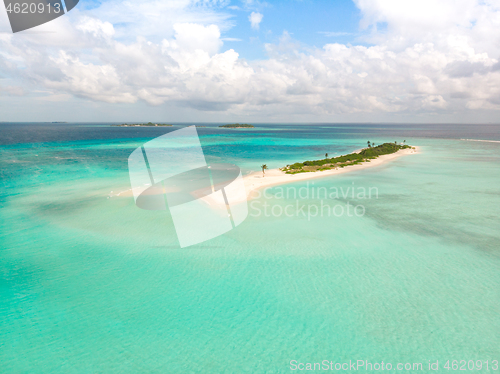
(313, 23)
(300, 61)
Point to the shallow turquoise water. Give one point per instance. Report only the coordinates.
(93, 284)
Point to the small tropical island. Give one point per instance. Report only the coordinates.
(237, 126)
(149, 124)
(369, 157)
(365, 155)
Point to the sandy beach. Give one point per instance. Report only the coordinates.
(274, 177)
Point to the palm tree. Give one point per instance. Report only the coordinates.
(326, 155)
(264, 167)
(404, 141)
(368, 142)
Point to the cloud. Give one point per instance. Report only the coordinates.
(56, 98)
(192, 37)
(421, 64)
(155, 20)
(255, 19)
(11, 90)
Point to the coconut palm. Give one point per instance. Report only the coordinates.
(326, 155)
(264, 167)
(368, 142)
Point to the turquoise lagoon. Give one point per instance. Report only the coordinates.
(89, 283)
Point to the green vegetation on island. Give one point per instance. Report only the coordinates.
(149, 124)
(237, 126)
(365, 155)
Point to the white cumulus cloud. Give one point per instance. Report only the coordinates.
(431, 61)
(255, 19)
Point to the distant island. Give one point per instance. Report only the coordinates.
(149, 124)
(365, 155)
(237, 126)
